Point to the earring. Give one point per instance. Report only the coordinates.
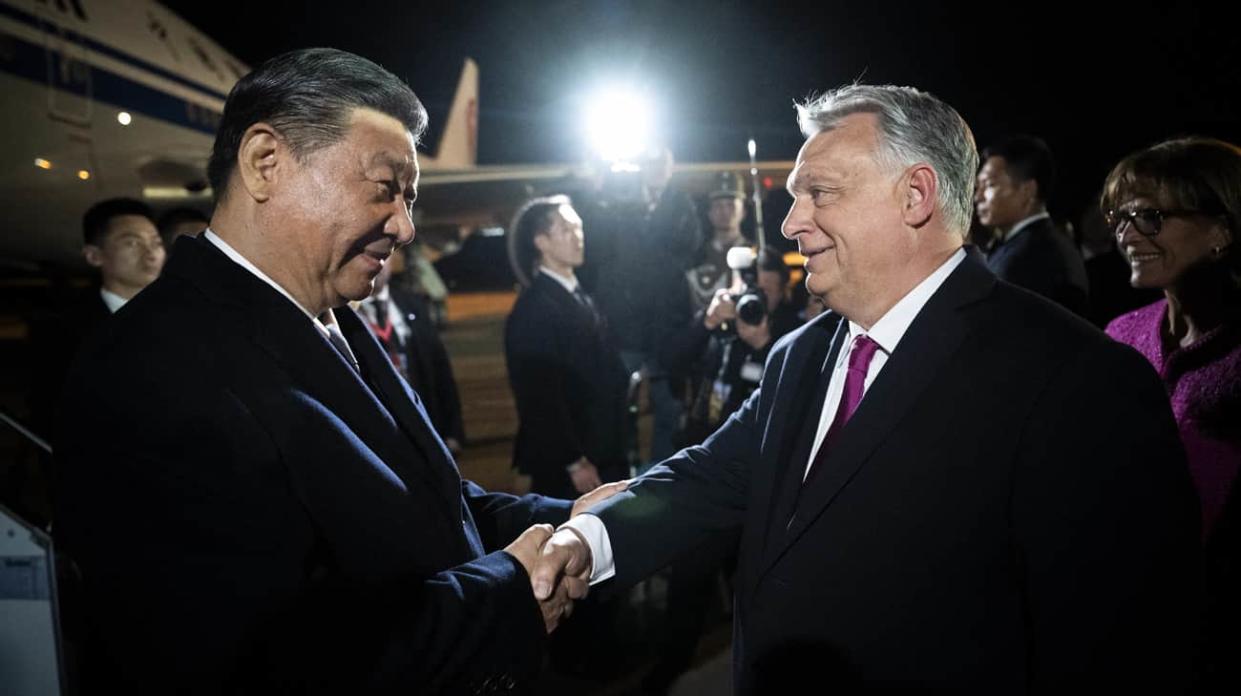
(1217, 250)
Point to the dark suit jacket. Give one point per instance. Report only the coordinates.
(1051, 550)
(1044, 260)
(249, 515)
(569, 385)
(55, 341)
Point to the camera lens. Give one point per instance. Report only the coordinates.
(752, 307)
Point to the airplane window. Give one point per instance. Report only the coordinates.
(160, 32)
(205, 59)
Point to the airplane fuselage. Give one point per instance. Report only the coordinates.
(100, 100)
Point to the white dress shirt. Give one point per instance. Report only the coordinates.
(567, 282)
(887, 332)
(112, 300)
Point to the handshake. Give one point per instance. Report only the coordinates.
(559, 562)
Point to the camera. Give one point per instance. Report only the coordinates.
(752, 301)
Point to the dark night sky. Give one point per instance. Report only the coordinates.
(1094, 88)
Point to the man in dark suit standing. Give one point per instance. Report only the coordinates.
(884, 546)
(568, 381)
(256, 501)
(570, 388)
(1028, 250)
(120, 241)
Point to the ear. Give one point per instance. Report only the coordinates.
(540, 242)
(93, 255)
(921, 192)
(1029, 187)
(258, 159)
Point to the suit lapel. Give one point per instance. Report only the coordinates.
(797, 402)
(400, 401)
(583, 315)
(284, 332)
(922, 355)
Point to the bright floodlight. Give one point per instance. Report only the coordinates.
(752, 147)
(618, 123)
(124, 118)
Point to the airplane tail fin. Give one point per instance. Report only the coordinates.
(458, 146)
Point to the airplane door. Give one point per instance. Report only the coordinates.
(69, 96)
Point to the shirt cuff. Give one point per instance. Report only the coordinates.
(592, 530)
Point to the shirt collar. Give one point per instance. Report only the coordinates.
(569, 283)
(113, 301)
(891, 327)
(242, 261)
(1026, 223)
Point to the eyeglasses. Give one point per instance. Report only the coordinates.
(1147, 221)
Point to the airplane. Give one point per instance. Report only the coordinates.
(101, 100)
(123, 99)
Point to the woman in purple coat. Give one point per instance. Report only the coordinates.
(1175, 209)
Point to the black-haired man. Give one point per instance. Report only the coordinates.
(1014, 183)
(256, 500)
(120, 239)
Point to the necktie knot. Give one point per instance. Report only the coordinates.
(863, 352)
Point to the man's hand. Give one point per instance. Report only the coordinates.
(584, 475)
(757, 337)
(597, 496)
(557, 604)
(560, 605)
(565, 559)
(525, 548)
(723, 308)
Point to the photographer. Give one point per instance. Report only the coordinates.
(741, 325)
(680, 338)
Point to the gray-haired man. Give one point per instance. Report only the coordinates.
(884, 547)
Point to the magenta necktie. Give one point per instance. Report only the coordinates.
(855, 379)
